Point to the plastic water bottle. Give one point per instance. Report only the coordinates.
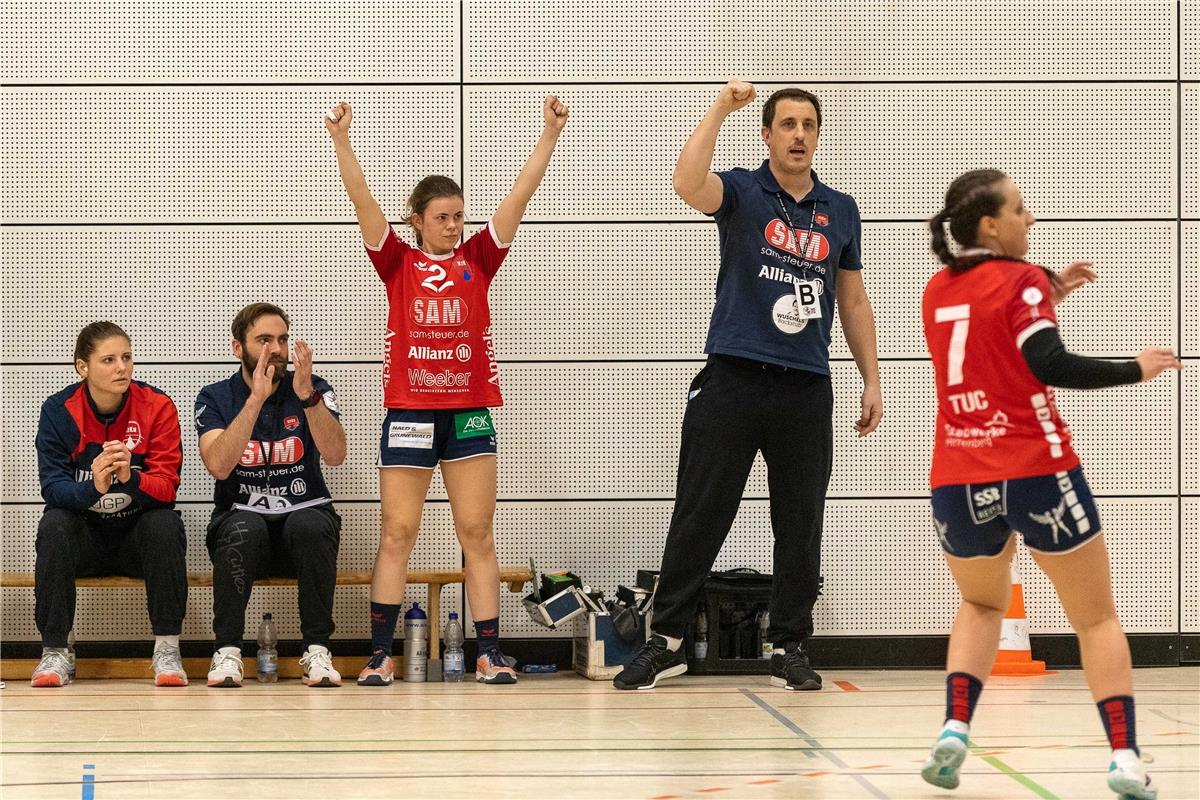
(764, 623)
(454, 661)
(416, 643)
(701, 644)
(268, 656)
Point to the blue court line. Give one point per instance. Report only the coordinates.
(829, 754)
(88, 787)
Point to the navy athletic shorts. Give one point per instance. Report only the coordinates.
(1054, 513)
(413, 438)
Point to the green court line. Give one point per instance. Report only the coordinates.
(1019, 777)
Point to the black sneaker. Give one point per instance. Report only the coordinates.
(652, 662)
(791, 670)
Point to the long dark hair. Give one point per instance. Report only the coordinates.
(428, 189)
(971, 197)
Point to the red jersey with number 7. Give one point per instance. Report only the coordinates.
(995, 420)
(438, 351)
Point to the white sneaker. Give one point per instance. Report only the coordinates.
(947, 755)
(318, 667)
(226, 668)
(57, 668)
(168, 666)
(1127, 777)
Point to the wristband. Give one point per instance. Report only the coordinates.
(312, 400)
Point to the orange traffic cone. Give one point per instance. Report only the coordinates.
(1014, 656)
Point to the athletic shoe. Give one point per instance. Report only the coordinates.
(653, 662)
(318, 667)
(492, 667)
(791, 670)
(57, 668)
(226, 668)
(168, 666)
(948, 754)
(1127, 777)
(379, 671)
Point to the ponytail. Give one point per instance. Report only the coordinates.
(937, 242)
(971, 197)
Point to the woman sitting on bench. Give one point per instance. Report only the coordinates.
(109, 455)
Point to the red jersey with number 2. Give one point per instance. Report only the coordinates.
(995, 420)
(438, 352)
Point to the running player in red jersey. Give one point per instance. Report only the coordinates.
(439, 378)
(1003, 461)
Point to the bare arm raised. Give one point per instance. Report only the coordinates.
(508, 214)
(694, 180)
(371, 220)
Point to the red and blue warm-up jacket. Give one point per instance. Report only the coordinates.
(71, 433)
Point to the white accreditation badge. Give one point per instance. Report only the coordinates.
(808, 299)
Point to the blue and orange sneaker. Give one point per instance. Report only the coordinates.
(378, 671)
(492, 666)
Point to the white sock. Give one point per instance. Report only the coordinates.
(778, 651)
(159, 641)
(956, 726)
(673, 644)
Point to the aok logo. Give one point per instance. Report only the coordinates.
(477, 423)
(284, 451)
(439, 311)
(812, 248)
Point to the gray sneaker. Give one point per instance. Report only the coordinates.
(57, 668)
(168, 666)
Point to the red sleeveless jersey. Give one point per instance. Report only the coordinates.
(995, 420)
(438, 351)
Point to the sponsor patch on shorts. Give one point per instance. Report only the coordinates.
(473, 423)
(417, 435)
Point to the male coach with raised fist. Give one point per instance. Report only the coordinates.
(789, 246)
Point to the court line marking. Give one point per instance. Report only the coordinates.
(1172, 719)
(828, 754)
(1019, 777)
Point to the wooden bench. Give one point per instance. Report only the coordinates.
(514, 577)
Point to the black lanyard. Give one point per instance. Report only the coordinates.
(808, 239)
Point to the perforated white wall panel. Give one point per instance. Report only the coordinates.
(1190, 310)
(121, 614)
(1190, 425)
(229, 41)
(168, 165)
(1191, 149)
(598, 300)
(833, 40)
(1190, 40)
(1189, 613)
(215, 154)
(895, 147)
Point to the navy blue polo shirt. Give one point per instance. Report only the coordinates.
(765, 248)
(281, 465)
